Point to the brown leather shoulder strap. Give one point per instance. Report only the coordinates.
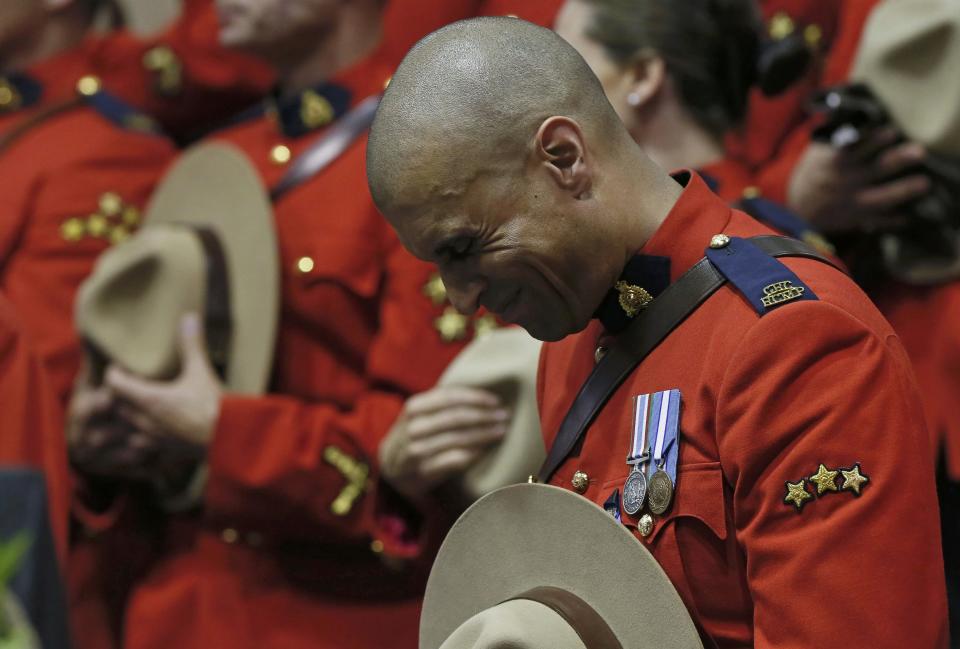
(643, 335)
(330, 146)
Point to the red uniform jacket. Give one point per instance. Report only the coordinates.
(778, 129)
(73, 184)
(923, 317)
(926, 320)
(294, 546)
(765, 402)
(183, 77)
(728, 178)
(31, 428)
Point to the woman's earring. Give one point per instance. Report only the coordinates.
(633, 99)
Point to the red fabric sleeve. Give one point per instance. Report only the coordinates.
(31, 429)
(285, 464)
(796, 398)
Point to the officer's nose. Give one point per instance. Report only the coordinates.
(464, 294)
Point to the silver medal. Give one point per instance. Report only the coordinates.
(634, 491)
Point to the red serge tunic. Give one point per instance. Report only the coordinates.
(767, 401)
(298, 544)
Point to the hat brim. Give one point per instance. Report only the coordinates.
(524, 536)
(908, 56)
(214, 186)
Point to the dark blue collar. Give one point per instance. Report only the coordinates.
(712, 182)
(18, 90)
(644, 278)
(310, 109)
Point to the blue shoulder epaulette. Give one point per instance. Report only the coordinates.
(763, 280)
(784, 221)
(18, 90)
(120, 113)
(776, 216)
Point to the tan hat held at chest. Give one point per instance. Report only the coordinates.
(533, 566)
(909, 55)
(503, 361)
(207, 246)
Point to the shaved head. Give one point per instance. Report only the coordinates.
(496, 155)
(482, 85)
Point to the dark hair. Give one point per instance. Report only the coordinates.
(710, 48)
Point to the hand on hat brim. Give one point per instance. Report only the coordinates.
(185, 408)
(439, 434)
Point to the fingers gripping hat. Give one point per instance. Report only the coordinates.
(207, 246)
(504, 362)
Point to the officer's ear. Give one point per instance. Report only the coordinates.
(647, 76)
(562, 152)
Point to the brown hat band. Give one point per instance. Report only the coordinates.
(218, 321)
(582, 618)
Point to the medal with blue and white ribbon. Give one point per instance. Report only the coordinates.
(635, 487)
(667, 421)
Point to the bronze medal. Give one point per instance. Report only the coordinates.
(660, 492)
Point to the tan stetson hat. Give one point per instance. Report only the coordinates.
(149, 17)
(532, 566)
(909, 56)
(209, 220)
(503, 361)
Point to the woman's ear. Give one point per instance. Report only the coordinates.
(647, 76)
(562, 151)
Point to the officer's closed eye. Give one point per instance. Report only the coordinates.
(456, 249)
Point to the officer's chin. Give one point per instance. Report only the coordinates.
(548, 332)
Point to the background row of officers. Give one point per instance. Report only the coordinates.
(185, 513)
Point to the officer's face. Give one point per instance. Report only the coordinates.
(515, 246)
(18, 22)
(264, 26)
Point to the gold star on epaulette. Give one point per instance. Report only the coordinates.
(315, 109)
(633, 299)
(825, 479)
(131, 216)
(110, 204)
(114, 221)
(435, 290)
(853, 480)
(451, 325)
(118, 234)
(72, 229)
(484, 325)
(97, 225)
(797, 494)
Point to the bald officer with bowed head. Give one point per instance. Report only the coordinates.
(768, 446)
